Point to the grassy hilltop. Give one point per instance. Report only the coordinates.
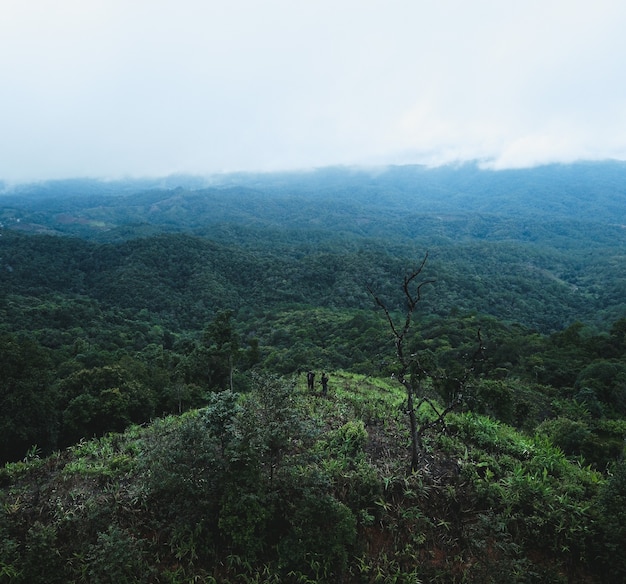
(281, 485)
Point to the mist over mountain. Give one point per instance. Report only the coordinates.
(359, 200)
(555, 206)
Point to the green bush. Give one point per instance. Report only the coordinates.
(597, 446)
(322, 532)
(349, 440)
(115, 558)
(572, 436)
(605, 381)
(493, 398)
(184, 474)
(244, 520)
(612, 522)
(41, 563)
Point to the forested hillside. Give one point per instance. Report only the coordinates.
(541, 247)
(154, 339)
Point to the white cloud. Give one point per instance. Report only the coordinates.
(108, 87)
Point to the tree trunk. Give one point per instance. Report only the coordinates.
(415, 442)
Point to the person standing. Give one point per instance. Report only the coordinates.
(324, 383)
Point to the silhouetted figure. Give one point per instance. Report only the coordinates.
(310, 380)
(324, 384)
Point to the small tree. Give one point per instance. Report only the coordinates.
(212, 362)
(412, 370)
(222, 342)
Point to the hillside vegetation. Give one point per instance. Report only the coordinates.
(283, 485)
(154, 340)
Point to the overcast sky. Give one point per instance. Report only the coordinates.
(113, 88)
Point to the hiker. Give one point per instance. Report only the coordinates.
(310, 380)
(324, 384)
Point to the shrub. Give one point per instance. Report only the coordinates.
(41, 562)
(116, 558)
(184, 478)
(494, 398)
(604, 381)
(612, 521)
(321, 534)
(579, 438)
(349, 440)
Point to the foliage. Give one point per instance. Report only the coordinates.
(297, 487)
(209, 301)
(103, 399)
(612, 502)
(28, 401)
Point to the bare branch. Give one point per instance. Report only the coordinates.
(385, 310)
(412, 299)
(412, 287)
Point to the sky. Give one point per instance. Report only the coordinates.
(139, 88)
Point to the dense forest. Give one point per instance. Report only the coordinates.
(155, 337)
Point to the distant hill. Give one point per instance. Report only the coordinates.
(360, 201)
(542, 246)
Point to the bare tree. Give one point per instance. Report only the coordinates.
(412, 372)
